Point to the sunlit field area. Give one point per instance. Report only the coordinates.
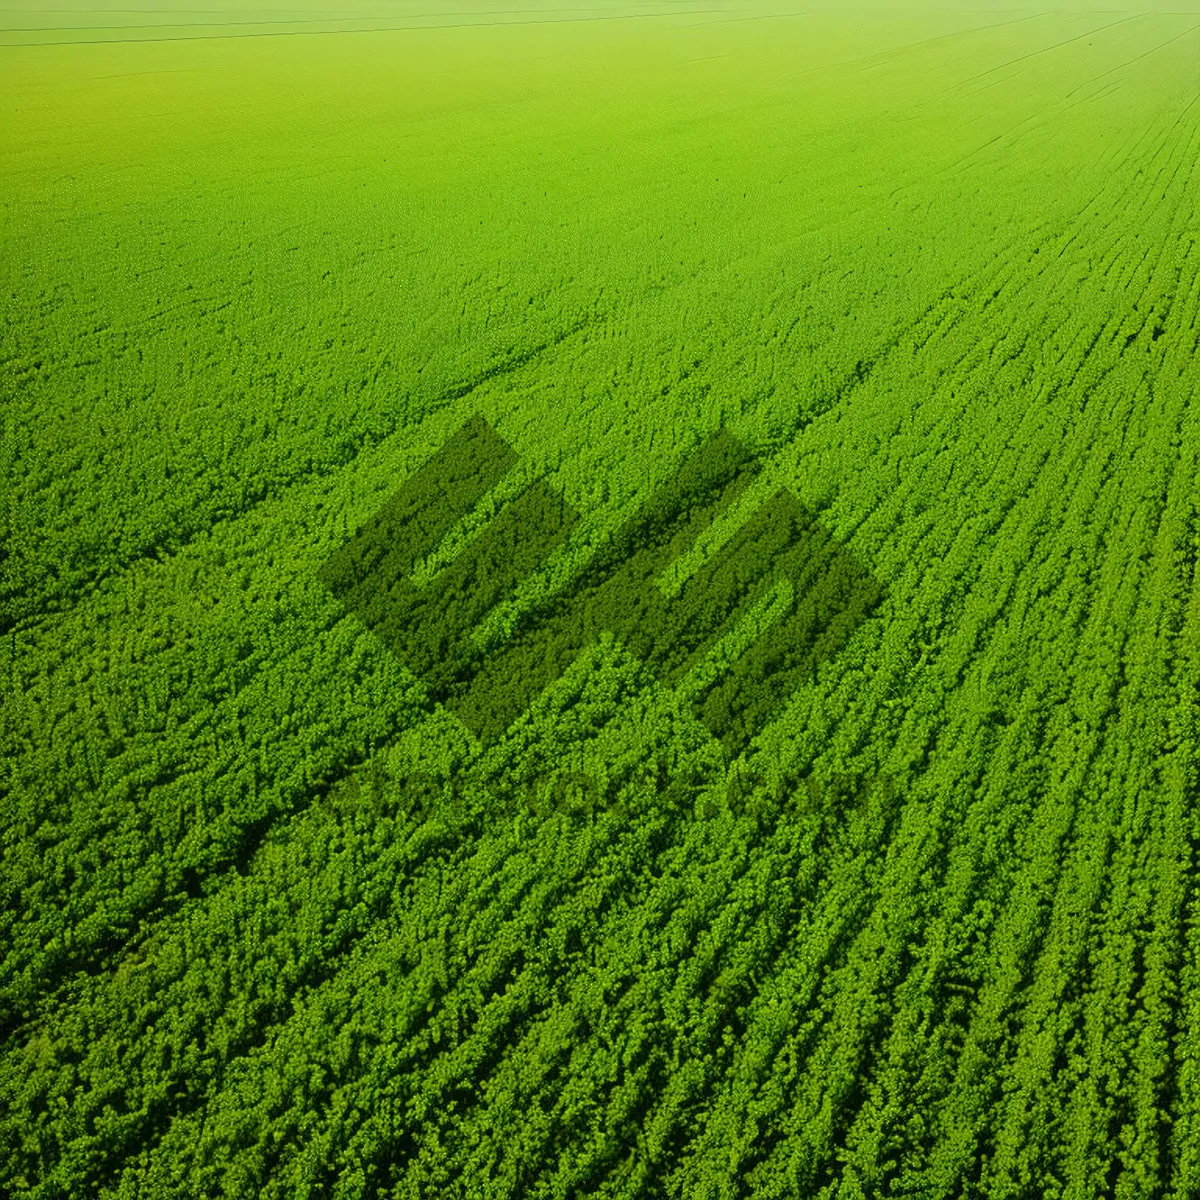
(599, 600)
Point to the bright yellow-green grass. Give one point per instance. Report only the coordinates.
(939, 266)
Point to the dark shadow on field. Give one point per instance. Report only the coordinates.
(430, 626)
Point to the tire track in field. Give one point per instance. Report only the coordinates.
(280, 33)
(885, 55)
(1130, 62)
(1039, 118)
(1045, 50)
(1042, 115)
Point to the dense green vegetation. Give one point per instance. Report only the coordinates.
(770, 764)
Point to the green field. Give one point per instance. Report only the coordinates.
(292, 906)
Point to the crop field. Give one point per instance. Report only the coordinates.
(599, 600)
